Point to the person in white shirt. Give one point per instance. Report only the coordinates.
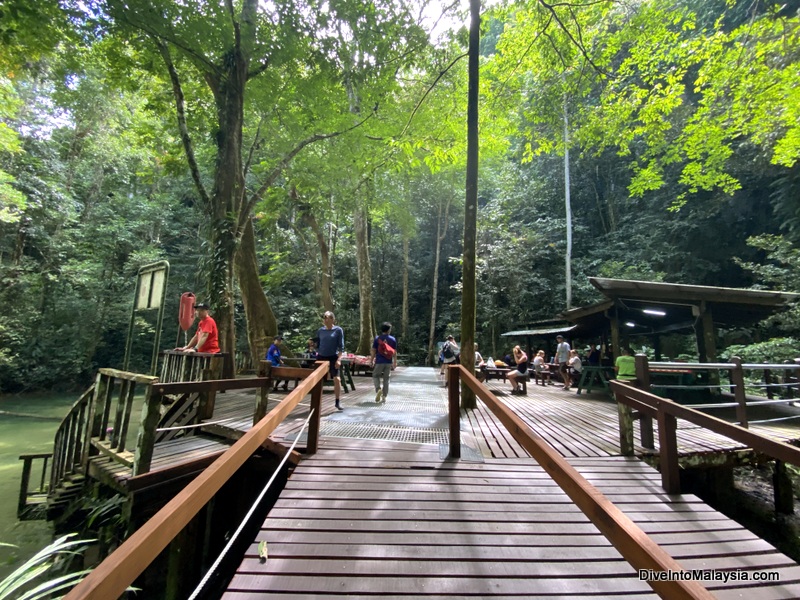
(575, 365)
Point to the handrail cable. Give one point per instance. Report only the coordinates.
(249, 514)
(203, 424)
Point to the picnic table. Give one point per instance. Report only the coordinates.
(595, 376)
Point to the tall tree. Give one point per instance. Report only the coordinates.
(469, 294)
(228, 46)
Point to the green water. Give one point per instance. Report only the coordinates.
(24, 435)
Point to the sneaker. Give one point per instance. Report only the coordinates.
(378, 397)
(383, 399)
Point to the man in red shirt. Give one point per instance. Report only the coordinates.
(206, 339)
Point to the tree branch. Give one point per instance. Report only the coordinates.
(428, 91)
(578, 45)
(180, 108)
(253, 148)
(163, 37)
(278, 169)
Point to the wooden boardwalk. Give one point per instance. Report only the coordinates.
(378, 511)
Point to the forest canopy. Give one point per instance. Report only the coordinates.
(293, 157)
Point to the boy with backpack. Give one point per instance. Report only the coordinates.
(384, 360)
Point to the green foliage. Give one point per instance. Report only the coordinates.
(774, 350)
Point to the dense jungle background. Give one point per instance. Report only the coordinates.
(290, 157)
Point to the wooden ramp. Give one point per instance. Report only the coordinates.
(389, 519)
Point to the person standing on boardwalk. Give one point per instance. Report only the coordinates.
(625, 365)
(330, 345)
(562, 360)
(450, 353)
(274, 358)
(206, 338)
(384, 361)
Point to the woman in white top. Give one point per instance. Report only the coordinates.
(575, 365)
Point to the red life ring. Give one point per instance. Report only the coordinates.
(186, 311)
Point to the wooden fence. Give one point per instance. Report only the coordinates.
(119, 570)
(627, 537)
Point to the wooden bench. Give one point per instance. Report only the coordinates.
(542, 377)
(487, 373)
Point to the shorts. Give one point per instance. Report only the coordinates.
(519, 373)
(332, 370)
(562, 367)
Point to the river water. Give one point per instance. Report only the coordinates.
(24, 435)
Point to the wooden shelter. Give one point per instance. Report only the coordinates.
(646, 308)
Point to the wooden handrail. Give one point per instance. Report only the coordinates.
(662, 408)
(627, 537)
(119, 570)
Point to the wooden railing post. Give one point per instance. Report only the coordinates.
(262, 404)
(625, 429)
(782, 489)
(643, 383)
(737, 377)
(454, 410)
(668, 451)
(313, 425)
(145, 441)
(768, 383)
(27, 464)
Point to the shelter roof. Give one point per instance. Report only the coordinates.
(543, 331)
(644, 307)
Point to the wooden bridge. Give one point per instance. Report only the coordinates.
(539, 503)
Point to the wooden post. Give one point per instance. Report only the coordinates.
(146, 439)
(782, 488)
(768, 383)
(668, 452)
(625, 429)
(313, 425)
(643, 383)
(615, 348)
(737, 378)
(27, 464)
(454, 410)
(262, 406)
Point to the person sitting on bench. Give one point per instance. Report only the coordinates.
(540, 370)
(575, 366)
(521, 360)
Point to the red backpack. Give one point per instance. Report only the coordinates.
(385, 350)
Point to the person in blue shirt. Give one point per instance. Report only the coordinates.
(330, 345)
(274, 357)
(383, 365)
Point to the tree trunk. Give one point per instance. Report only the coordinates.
(325, 288)
(404, 318)
(441, 232)
(469, 289)
(568, 203)
(366, 329)
(227, 195)
(262, 325)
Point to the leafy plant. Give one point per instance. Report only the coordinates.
(28, 581)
